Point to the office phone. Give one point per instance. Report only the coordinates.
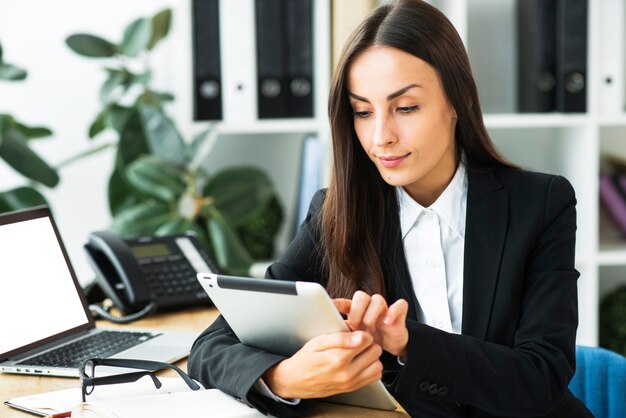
(141, 275)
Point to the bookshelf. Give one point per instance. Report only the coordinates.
(569, 144)
(274, 145)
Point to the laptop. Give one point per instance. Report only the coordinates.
(45, 322)
(280, 317)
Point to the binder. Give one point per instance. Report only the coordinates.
(612, 199)
(207, 80)
(273, 87)
(536, 55)
(571, 72)
(238, 60)
(299, 36)
(612, 56)
(310, 177)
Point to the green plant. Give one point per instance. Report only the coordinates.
(157, 185)
(15, 150)
(613, 321)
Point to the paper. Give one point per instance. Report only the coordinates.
(143, 396)
(205, 403)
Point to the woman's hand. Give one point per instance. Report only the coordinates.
(327, 365)
(385, 324)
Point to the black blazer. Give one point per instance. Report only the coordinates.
(516, 353)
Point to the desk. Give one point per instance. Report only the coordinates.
(13, 385)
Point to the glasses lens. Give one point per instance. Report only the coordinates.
(89, 370)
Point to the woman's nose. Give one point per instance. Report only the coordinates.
(384, 132)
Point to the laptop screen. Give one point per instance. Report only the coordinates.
(38, 295)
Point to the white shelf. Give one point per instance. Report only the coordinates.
(566, 144)
(534, 120)
(280, 126)
(613, 120)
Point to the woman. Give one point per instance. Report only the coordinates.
(454, 268)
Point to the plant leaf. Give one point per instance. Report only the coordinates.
(33, 132)
(136, 37)
(160, 26)
(116, 117)
(229, 252)
(132, 143)
(144, 218)
(6, 122)
(240, 193)
(163, 138)
(121, 195)
(163, 97)
(91, 46)
(175, 225)
(112, 89)
(19, 198)
(15, 151)
(99, 124)
(142, 78)
(11, 72)
(200, 148)
(0, 53)
(156, 178)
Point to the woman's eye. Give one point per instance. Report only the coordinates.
(407, 109)
(360, 114)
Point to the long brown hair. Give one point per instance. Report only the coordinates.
(353, 215)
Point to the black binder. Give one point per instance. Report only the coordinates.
(571, 29)
(207, 81)
(299, 19)
(536, 47)
(273, 86)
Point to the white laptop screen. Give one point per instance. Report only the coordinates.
(38, 297)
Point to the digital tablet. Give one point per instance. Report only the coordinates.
(280, 317)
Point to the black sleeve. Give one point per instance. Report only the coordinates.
(219, 360)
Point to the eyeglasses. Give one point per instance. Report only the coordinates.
(90, 381)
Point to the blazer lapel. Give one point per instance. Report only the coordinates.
(485, 232)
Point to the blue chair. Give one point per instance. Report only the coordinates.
(600, 381)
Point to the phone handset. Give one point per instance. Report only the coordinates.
(118, 271)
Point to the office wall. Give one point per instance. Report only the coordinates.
(61, 92)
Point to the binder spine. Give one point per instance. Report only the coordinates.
(273, 86)
(613, 90)
(238, 65)
(536, 55)
(207, 80)
(571, 29)
(299, 22)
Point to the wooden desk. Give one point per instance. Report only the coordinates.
(13, 385)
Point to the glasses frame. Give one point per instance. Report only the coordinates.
(89, 383)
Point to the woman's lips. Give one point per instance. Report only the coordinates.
(392, 161)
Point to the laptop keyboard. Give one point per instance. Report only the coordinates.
(102, 344)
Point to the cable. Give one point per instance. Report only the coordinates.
(102, 312)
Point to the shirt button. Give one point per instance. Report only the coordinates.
(439, 324)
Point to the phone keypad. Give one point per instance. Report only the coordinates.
(173, 283)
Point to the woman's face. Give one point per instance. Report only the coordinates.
(403, 120)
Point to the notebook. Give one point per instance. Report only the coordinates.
(280, 317)
(44, 317)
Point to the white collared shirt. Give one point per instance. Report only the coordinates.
(434, 243)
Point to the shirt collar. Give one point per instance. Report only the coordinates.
(450, 205)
